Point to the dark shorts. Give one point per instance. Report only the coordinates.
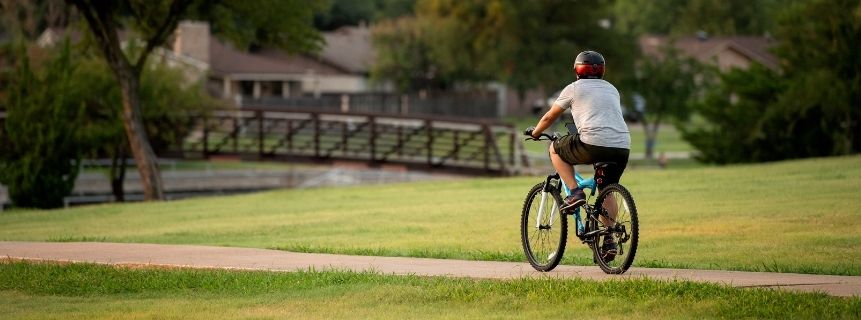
(574, 151)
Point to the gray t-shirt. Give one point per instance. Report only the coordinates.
(597, 111)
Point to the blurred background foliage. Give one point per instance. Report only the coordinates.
(684, 17)
(523, 44)
(64, 104)
(40, 151)
(809, 105)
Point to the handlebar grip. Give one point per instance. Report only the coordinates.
(528, 131)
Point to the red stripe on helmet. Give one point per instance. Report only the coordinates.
(589, 70)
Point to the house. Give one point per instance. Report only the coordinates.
(724, 52)
(268, 73)
(335, 79)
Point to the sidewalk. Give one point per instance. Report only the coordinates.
(262, 259)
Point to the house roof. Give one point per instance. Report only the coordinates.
(705, 49)
(225, 59)
(347, 50)
(350, 48)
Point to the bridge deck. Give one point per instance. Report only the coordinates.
(477, 146)
(462, 145)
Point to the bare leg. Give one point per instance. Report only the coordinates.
(565, 170)
(612, 210)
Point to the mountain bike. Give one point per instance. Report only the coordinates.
(544, 228)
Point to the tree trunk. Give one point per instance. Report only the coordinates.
(651, 132)
(118, 172)
(145, 158)
(100, 19)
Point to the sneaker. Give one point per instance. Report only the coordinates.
(575, 200)
(609, 249)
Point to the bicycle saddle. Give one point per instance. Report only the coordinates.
(605, 164)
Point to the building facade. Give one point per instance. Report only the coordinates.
(269, 74)
(723, 52)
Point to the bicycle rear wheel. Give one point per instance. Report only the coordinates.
(615, 214)
(543, 229)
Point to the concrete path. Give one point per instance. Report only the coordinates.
(262, 259)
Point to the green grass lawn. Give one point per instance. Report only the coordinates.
(38, 290)
(669, 139)
(796, 216)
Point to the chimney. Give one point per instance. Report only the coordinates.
(192, 40)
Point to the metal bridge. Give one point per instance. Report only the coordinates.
(426, 143)
(478, 146)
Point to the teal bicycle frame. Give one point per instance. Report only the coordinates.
(584, 184)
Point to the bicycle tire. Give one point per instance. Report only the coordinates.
(629, 247)
(526, 225)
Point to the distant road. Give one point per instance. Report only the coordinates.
(262, 259)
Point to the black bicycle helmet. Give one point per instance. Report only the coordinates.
(589, 65)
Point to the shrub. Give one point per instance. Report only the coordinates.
(39, 157)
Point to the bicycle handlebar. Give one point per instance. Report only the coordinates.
(528, 132)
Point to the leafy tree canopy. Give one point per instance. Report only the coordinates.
(282, 23)
(524, 44)
(286, 24)
(351, 12)
(685, 17)
(665, 86)
(64, 105)
(810, 108)
(38, 156)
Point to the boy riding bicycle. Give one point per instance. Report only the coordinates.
(602, 135)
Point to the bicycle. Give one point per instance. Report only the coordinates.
(542, 221)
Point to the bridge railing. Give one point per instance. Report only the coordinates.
(465, 104)
(478, 146)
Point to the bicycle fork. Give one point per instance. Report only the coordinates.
(554, 208)
(541, 211)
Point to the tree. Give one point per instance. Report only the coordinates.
(167, 100)
(524, 44)
(403, 55)
(283, 23)
(684, 17)
(28, 18)
(39, 158)
(818, 44)
(351, 13)
(733, 111)
(393, 9)
(665, 85)
(811, 107)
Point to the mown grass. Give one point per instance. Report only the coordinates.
(39, 290)
(795, 216)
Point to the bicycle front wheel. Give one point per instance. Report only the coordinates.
(543, 229)
(616, 216)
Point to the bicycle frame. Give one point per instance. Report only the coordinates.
(584, 184)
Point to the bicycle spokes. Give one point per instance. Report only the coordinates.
(546, 211)
(543, 229)
(615, 235)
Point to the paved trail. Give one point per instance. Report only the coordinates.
(262, 259)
